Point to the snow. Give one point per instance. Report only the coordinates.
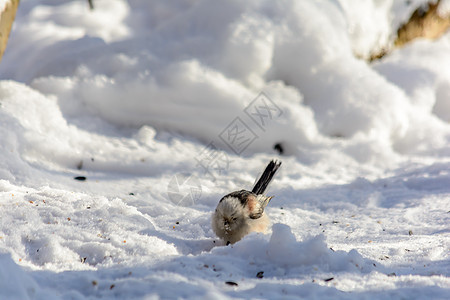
(136, 99)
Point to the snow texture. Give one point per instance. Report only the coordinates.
(116, 129)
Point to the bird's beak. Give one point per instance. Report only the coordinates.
(226, 225)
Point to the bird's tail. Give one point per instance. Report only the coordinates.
(266, 177)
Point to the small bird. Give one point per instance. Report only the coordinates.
(242, 212)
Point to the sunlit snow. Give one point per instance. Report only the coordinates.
(159, 108)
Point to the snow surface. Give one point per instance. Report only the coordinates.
(138, 98)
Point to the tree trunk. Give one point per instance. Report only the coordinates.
(6, 20)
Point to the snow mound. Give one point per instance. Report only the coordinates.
(283, 255)
(67, 230)
(160, 70)
(15, 283)
(117, 127)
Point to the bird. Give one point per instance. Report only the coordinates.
(242, 212)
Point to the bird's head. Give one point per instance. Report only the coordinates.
(229, 215)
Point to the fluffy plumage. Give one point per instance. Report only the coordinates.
(242, 212)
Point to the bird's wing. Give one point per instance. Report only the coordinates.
(256, 205)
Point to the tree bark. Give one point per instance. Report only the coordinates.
(6, 20)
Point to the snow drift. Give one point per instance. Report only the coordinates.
(137, 99)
